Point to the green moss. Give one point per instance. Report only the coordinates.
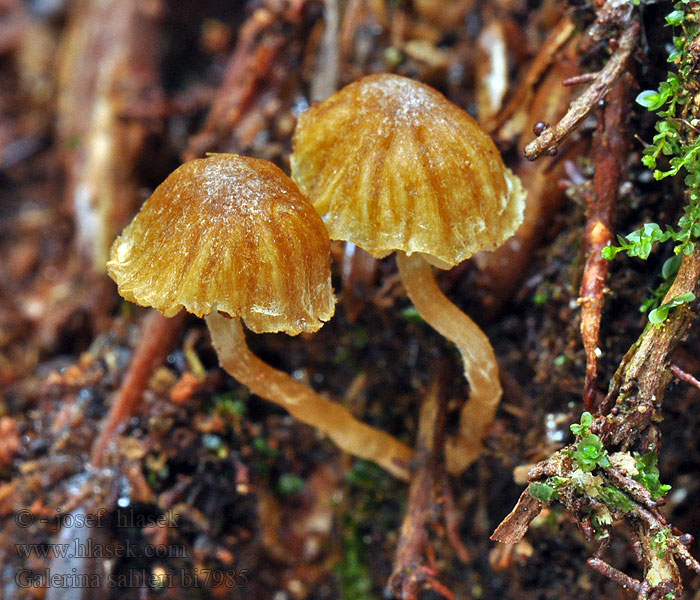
(648, 475)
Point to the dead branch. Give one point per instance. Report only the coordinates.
(635, 397)
(260, 44)
(683, 376)
(550, 138)
(411, 572)
(637, 388)
(523, 97)
(609, 154)
(158, 337)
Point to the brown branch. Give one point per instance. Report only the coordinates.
(683, 376)
(515, 525)
(261, 42)
(410, 572)
(624, 581)
(158, 337)
(581, 107)
(609, 155)
(525, 93)
(638, 386)
(635, 396)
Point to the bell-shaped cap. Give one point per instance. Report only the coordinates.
(233, 234)
(391, 164)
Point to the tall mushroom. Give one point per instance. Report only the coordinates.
(230, 238)
(392, 165)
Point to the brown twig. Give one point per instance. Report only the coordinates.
(683, 376)
(637, 388)
(411, 572)
(635, 397)
(261, 41)
(158, 337)
(624, 581)
(579, 79)
(537, 70)
(609, 154)
(590, 99)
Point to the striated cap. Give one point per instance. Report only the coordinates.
(233, 234)
(391, 164)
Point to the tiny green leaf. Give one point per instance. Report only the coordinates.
(649, 99)
(541, 491)
(675, 17)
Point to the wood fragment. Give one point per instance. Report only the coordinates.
(158, 337)
(609, 155)
(516, 108)
(590, 99)
(411, 573)
(638, 386)
(683, 376)
(624, 581)
(515, 525)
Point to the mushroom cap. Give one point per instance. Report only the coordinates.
(232, 234)
(391, 164)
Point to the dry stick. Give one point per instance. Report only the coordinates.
(410, 571)
(302, 402)
(609, 155)
(157, 339)
(637, 390)
(683, 376)
(640, 381)
(537, 70)
(584, 104)
(624, 581)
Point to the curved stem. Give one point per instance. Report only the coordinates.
(480, 367)
(302, 402)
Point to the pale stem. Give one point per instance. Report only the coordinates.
(302, 402)
(480, 367)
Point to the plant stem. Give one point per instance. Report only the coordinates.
(302, 402)
(480, 366)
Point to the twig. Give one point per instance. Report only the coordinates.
(609, 154)
(635, 396)
(410, 572)
(683, 376)
(526, 89)
(637, 388)
(584, 104)
(624, 581)
(579, 79)
(158, 337)
(515, 525)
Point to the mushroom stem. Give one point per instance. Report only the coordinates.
(302, 402)
(480, 366)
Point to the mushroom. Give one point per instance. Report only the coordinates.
(392, 165)
(230, 238)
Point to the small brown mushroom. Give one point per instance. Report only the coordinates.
(392, 165)
(230, 238)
